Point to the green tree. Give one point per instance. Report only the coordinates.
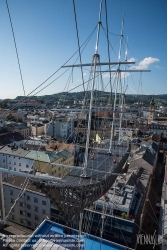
(20, 120)
(124, 215)
(10, 117)
(3, 104)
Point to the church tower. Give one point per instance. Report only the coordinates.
(152, 110)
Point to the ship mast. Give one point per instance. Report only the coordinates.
(94, 65)
(122, 99)
(95, 61)
(118, 81)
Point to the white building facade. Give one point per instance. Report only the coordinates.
(15, 159)
(60, 128)
(30, 210)
(158, 128)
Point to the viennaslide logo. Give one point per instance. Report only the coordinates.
(151, 239)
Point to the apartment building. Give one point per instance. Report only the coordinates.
(23, 129)
(37, 129)
(44, 161)
(32, 207)
(22, 160)
(13, 158)
(159, 128)
(10, 138)
(60, 128)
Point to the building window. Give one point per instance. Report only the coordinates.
(36, 209)
(28, 223)
(36, 217)
(27, 166)
(11, 192)
(29, 215)
(35, 200)
(28, 206)
(12, 201)
(44, 203)
(21, 212)
(19, 164)
(21, 204)
(13, 217)
(14, 169)
(14, 163)
(43, 211)
(9, 162)
(28, 198)
(3, 160)
(21, 220)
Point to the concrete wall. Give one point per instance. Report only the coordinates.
(27, 212)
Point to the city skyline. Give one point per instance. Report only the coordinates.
(46, 38)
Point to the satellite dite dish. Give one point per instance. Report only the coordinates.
(158, 204)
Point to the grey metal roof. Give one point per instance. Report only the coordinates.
(155, 146)
(139, 169)
(35, 142)
(103, 162)
(18, 181)
(13, 151)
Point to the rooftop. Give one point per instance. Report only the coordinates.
(47, 156)
(119, 197)
(50, 235)
(14, 233)
(35, 142)
(43, 156)
(10, 137)
(102, 161)
(13, 151)
(22, 126)
(140, 169)
(3, 131)
(18, 181)
(60, 146)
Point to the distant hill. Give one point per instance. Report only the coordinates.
(69, 98)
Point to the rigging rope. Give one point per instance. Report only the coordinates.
(78, 44)
(18, 60)
(17, 105)
(108, 47)
(109, 41)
